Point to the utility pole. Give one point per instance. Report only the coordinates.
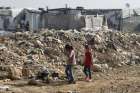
(129, 11)
(66, 5)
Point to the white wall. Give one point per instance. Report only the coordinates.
(92, 22)
(1, 24)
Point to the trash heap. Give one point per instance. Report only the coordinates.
(23, 54)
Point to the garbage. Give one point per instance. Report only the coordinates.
(15, 73)
(44, 74)
(110, 48)
(33, 82)
(4, 88)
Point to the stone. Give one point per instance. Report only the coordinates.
(73, 91)
(6, 80)
(97, 67)
(110, 49)
(3, 74)
(33, 82)
(4, 88)
(98, 39)
(38, 43)
(3, 47)
(15, 73)
(138, 43)
(27, 72)
(105, 66)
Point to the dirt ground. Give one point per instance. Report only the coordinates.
(121, 80)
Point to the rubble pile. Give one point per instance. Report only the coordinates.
(31, 51)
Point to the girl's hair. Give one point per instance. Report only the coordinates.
(86, 46)
(67, 46)
(71, 47)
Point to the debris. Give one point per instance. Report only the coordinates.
(34, 82)
(97, 68)
(15, 73)
(4, 88)
(110, 49)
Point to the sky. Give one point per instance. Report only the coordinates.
(88, 4)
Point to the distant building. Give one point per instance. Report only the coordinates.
(114, 16)
(67, 18)
(28, 20)
(93, 22)
(5, 18)
(131, 22)
(62, 18)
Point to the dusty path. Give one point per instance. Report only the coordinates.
(122, 80)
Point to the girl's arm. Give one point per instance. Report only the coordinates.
(91, 58)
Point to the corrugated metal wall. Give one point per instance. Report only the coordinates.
(62, 21)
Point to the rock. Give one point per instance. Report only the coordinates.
(136, 57)
(105, 66)
(33, 82)
(98, 39)
(9, 57)
(22, 35)
(15, 73)
(2, 39)
(119, 65)
(57, 41)
(3, 74)
(97, 67)
(133, 62)
(2, 47)
(110, 49)
(73, 91)
(27, 72)
(4, 88)
(6, 80)
(69, 92)
(138, 43)
(38, 43)
(100, 67)
(48, 39)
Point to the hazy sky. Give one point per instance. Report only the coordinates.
(71, 3)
